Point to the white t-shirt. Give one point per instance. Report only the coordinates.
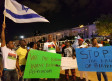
(9, 58)
(100, 45)
(50, 47)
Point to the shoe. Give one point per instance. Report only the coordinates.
(84, 79)
(66, 80)
(73, 80)
(79, 79)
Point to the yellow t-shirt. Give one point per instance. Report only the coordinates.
(22, 54)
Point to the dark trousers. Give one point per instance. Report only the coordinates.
(9, 75)
(22, 67)
(34, 80)
(73, 74)
(104, 75)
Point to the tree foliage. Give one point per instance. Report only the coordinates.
(104, 25)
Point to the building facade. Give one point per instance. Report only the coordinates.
(88, 31)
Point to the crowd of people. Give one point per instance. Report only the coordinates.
(14, 61)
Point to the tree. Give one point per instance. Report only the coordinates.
(104, 25)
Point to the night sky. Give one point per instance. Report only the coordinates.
(62, 14)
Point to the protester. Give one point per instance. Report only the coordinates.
(39, 46)
(95, 44)
(106, 43)
(88, 43)
(33, 46)
(110, 42)
(80, 45)
(30, 46)
(51, 46)
(68, 51)
(63, 45)
(21, 52)
(10, 61)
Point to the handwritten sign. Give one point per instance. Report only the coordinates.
(95, 59)
(68, 63)
(42, 64)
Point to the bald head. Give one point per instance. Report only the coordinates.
(22, 43)
(50, 38)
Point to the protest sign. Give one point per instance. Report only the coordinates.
(42, 64)
(94, 59)
(68, 63)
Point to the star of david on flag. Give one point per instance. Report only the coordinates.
(26, 9)
(20, 13)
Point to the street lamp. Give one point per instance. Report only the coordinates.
(22, 37)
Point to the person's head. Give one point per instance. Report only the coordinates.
(67, 43)
(80, 41)
(33, 45)
(22, 43)
(87, 41)
(38, 43)
(10, 44)
(106, 43)
(94, 41)
(50, 38)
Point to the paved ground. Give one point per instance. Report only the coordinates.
(92, 75)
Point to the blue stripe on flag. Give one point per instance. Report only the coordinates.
(27, 16)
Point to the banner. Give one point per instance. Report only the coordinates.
(68, 63)
(42, 64)
(94, 59)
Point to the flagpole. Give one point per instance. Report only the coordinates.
(4, 16)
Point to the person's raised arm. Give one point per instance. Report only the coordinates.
(3, 42)
(57, 48)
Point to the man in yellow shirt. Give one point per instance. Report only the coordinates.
(21, 53)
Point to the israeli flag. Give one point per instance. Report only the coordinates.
(20, 13)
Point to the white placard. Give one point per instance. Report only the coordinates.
(68, 63)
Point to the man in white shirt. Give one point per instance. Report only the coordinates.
(10, 61)
(81, 45)
(51, 45)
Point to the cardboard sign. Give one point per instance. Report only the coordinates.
(42, 64)
(68, 63)
(94, 59)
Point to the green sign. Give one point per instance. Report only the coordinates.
(42, 64)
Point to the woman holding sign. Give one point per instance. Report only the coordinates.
(95, 44)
